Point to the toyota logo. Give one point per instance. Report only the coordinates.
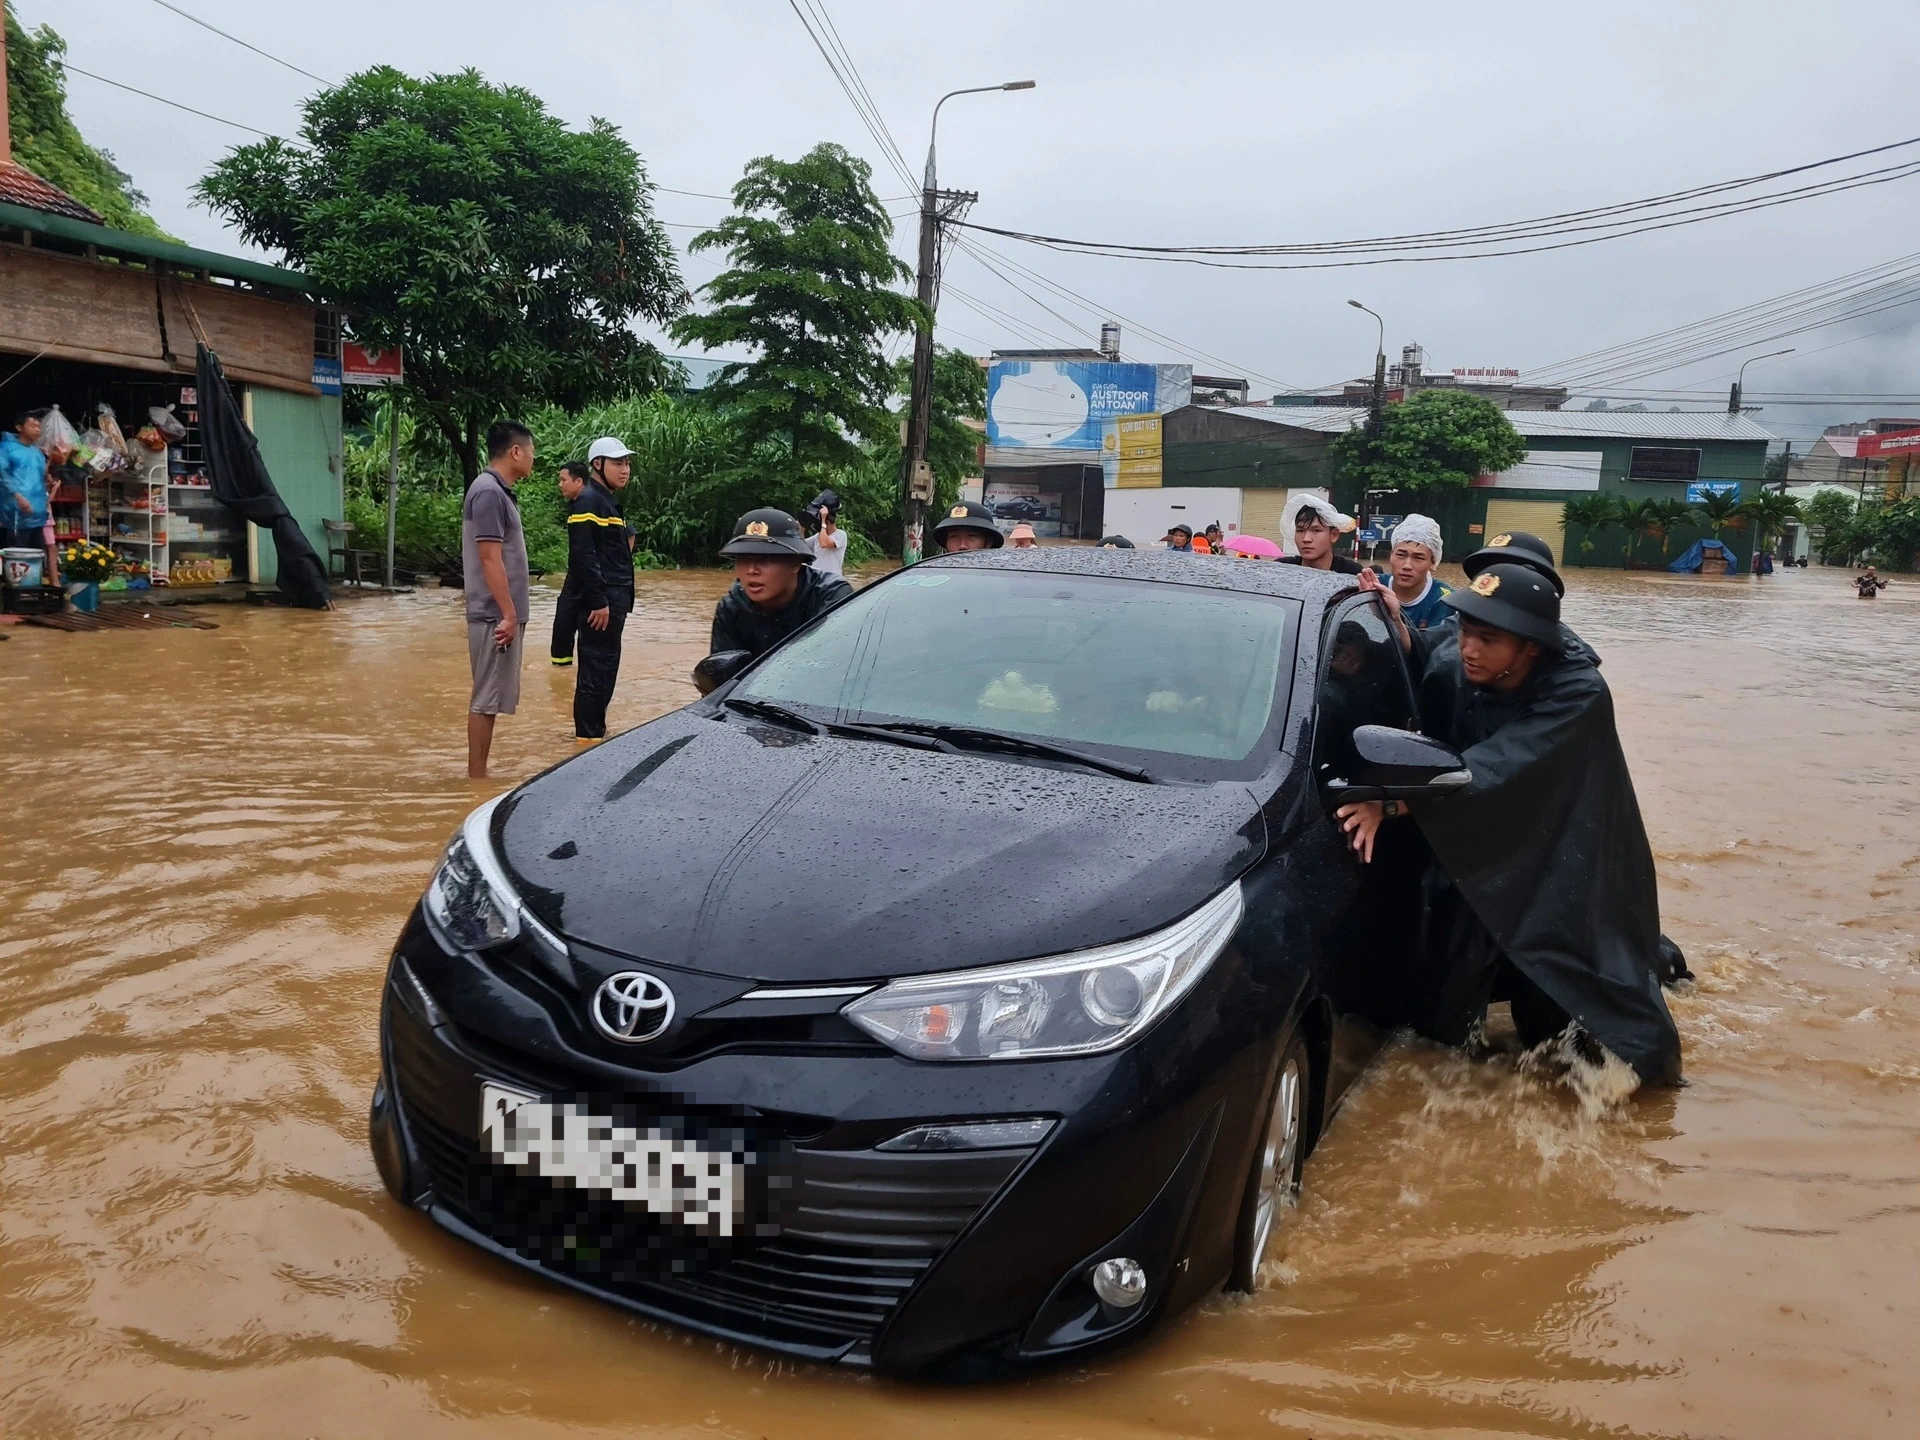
(632, 1007)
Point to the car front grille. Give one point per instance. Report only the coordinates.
(858, 1229)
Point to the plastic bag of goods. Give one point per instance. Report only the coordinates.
(149, 438)
(167, 423)
(57, 437)
(109, 424)
(95, 451)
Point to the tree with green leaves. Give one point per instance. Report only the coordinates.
(1634, 516)
(508, 254)
(1436, 441)
(809, 288)
(1830, 514)
(47, 142)
(1719, 511)
(1666, 516)
(1590, 512)
(1769, 512)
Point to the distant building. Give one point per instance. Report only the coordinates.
(1238, 466)
(1837, 459)
(1498, 384)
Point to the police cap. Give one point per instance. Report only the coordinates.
(1516, 598)
(1516, 547)
(970, 515)
(767, 532)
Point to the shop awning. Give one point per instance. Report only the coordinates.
(119, 242)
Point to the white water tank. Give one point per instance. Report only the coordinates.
(1110, 340)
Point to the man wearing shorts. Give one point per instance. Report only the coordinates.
(493, 550)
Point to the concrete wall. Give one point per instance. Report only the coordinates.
(300, 440)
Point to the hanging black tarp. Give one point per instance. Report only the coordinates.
(240, 481)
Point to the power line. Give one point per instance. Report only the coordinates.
(1612, 222)
(69, 66)
(875, 126)
(224, 35)
(819, 8)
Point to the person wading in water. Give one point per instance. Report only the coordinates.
(1545, 890)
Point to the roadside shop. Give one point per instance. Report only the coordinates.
(102, 325)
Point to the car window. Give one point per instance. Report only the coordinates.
(1137, 666)
(1363, 681)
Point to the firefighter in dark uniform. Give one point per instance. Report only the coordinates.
(600, 554)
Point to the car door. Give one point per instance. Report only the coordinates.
(1369, 959)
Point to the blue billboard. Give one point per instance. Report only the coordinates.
(1064, 406)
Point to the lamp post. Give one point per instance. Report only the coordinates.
(916, 479)
(1379, 405)
(1733, 395)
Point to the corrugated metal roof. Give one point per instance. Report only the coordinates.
(1330, 419)
(1543, 424)
(20, 186)
(1637, 425)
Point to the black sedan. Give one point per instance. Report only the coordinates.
(958, 987)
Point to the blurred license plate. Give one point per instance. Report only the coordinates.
(649, 1166)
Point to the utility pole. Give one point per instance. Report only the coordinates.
(1733, 395)
(1378, 408)
(936, 205)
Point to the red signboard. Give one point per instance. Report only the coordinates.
(361, 366)
(1888, 442)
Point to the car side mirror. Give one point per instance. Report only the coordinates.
(718, 668)
(1399, 765)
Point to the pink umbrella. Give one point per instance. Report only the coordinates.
(1255, 547)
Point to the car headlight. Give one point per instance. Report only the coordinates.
(471, 905)
(1076, 1004)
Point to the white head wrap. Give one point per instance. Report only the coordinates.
(1324, 508)
(1419, 530)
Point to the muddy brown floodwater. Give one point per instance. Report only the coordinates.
(211, 838)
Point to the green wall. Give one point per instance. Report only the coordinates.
(299, 438)
(1281, 463)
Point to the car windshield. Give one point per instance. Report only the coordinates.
(1181, 679)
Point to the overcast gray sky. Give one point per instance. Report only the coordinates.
(1164, 123)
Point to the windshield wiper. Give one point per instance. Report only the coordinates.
(969, 737)
(779, 714)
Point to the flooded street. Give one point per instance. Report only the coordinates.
(213, 837)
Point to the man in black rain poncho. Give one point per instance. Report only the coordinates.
(1552, 898)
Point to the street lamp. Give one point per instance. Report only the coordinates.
(916, 480)
(1733, 395)
(1378, 408)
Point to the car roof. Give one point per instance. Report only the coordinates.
(1177, 567)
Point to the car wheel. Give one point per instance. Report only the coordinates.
(1274, 1183)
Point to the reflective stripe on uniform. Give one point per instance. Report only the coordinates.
(591, 519)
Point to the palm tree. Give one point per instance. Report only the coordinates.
(1635, 517)
(1590, 512)
(1719, 511)
(1769, 511)
(1663, 517)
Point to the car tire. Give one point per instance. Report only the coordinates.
(1273, 1182)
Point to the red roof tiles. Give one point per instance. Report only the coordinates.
(20, 186)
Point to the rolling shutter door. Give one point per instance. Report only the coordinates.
(1545, 518)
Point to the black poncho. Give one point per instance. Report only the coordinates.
(1547, 844)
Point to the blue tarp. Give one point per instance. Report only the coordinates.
(1691, 562)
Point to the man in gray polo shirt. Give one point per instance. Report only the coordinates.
(493, 551)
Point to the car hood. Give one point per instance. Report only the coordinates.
(745, 849)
